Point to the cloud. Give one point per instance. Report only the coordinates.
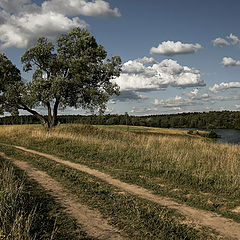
(15, 6)
(143, 110)
(171, 48)
(23, 31)
(192, 94)
(97, 8)
(109, 111)
(205, 96)
(146, 60)
(126, 96)
(235, 39)
(192, 102)
(133, 67)
(224, 86)
(137, 77)
(220, 42)
(176, 102)
(22, 22)
(223, 98)
(228, 61)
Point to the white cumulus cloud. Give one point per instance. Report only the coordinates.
(228, 61)
(224, 86)
(96, 8)
(138, 77)
(22, 21)
(23, 31)
(235, 39)
(220, 42)
(171, 48)
(193, 93)
(146, 60)
(133, 67)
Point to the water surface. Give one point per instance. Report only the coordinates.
(231, 136)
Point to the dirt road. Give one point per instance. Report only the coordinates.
(90, 221)
(226, 227)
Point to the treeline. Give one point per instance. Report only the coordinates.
(209, 120)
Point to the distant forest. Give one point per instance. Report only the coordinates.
(208, 120)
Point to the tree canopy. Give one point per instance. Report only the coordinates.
(74, 72)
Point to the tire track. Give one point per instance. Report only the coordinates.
(223, 226)
(89, 220)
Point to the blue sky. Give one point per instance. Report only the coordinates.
(178, 56)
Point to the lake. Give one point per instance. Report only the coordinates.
(231, 136)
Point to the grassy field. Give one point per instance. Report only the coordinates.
(27, 212)
(189, 169)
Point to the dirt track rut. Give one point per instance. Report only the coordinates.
(223, 226)
(90, 221)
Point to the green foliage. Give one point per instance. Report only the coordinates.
(210, 120)
(213, 134)
(76, 76)
(11, 86)
(73, 73)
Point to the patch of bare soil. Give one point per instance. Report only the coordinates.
(236, 210)
(90, 221)
(226, 227)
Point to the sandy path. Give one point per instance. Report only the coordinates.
(90, 221)
(223, 226)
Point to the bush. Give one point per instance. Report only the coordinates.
(213, 134)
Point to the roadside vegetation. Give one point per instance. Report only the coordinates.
(187, 168)
(28, 213)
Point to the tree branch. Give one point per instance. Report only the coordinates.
(35, 113)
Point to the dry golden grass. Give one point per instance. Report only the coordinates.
(197, 159)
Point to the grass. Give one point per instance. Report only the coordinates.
(139, 219)
(190, 169)
(27, 212)
(14, 223)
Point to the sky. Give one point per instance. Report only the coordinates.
(178, 56)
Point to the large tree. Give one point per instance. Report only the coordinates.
(73, 73)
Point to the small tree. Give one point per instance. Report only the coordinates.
(75, 73)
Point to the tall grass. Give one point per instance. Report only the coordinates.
(190, 160)
(168, 157)
(185, 160)
(27, 212)
(15, 223)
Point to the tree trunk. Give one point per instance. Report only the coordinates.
(54, 121)
(51, 120)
